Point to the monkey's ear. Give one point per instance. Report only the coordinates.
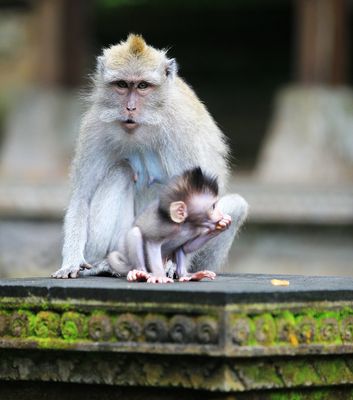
(100, 64)
(171, 68)
(178, 211)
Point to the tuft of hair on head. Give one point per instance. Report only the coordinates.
(200, 182)
(136, 44)
(183, 186)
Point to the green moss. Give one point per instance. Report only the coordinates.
(299, 373)
(286, 328)
(259, 374)
(73, 325)
(22, 323)
(4, 323)
(328, 328)
(316, 394)
(265, 329)
(242, 328)
(334, 371)
(47, 324)
(306, 328)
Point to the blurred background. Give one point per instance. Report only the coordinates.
(275, 74)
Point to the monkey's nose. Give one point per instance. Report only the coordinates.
(131, 108)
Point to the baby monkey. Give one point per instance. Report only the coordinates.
(181, 221)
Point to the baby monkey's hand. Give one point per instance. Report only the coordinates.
(224, 223)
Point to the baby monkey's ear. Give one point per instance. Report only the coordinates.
(178, 211)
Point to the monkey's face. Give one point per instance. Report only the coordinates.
(133, 83)
(203, 210)
(135, 99)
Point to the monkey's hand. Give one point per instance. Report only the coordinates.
(224, 223)
(136, 275)
(70, 272)
(197, 276)
(159, 279)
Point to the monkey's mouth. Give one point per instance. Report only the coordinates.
(130, 123)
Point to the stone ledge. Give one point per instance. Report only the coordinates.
(205, 335)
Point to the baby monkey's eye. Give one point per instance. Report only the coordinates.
(143, 85)
(213, 206)
(121, 84)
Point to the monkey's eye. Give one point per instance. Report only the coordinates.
(121, 84)
(213, 206)
(143, 85)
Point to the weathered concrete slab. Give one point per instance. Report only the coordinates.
(226, 289)
(238, 333)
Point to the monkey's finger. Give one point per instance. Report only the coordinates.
(62, 273)
(142, 276)
(209, 275)
(132, 275)
(74, 274)
(208, 272)
(185, 279)
(197, 276)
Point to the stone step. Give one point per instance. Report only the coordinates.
(239, 333)
(269, 203)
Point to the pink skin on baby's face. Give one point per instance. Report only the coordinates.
(202, 208)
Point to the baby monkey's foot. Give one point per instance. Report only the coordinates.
(137, 275)
(159, 279)
(197, 276)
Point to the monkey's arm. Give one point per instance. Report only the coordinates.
(75, 238)
(206, 235)
(88, 170)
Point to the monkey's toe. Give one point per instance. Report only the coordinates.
(198, 276)
(66, 272)
(159, 279)
(137, 276)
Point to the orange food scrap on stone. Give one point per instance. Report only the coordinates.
(279, 282)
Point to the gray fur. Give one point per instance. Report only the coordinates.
(174, 124)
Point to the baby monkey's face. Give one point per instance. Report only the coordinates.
(203, 209)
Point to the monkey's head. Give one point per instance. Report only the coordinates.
(192, 197)
(132, 81)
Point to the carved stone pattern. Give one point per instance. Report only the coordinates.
(104, 327)
(224, 375)
(290, 328)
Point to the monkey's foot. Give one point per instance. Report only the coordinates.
(137, 275)
(197, 276)
(159, 279)
(67, 272)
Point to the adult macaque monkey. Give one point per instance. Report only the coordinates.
(142, 115)
(184, 218)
